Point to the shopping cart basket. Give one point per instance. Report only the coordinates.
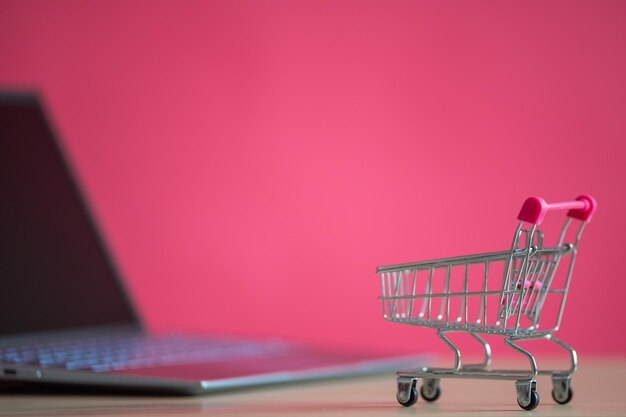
(465, 294)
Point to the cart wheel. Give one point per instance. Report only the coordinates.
(411, 400)
(562, 398)
(533, 403)
(430, 390)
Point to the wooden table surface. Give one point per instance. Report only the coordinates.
(599, 390)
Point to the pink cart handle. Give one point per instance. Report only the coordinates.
(535, 208)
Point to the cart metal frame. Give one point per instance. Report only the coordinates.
(410, 295)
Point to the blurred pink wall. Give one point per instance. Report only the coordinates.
(253, 162)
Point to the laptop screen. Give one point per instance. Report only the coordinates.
(54, 273)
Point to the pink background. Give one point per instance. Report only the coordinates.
(252, 163)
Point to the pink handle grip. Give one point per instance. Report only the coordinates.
(535, 208)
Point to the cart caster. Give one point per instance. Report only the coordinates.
(561, 389)
(562, 398)
(532, 403)
(407, 391)
(527, 395)
(430, 390)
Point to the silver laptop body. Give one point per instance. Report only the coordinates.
(65, 317)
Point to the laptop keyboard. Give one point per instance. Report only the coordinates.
(128, 352)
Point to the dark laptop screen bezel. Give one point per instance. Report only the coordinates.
(31, 99)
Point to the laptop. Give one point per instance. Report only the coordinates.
(65, 317)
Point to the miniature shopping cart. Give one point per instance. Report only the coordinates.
(518, 294)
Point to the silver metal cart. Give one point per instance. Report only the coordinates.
(518, 294)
